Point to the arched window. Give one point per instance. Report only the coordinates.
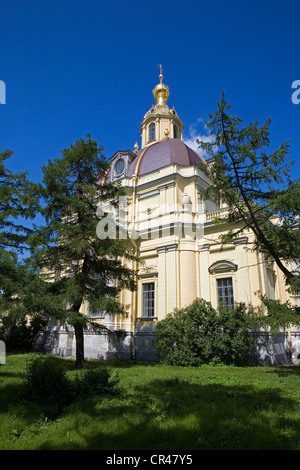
(175, 132)
(152, 131)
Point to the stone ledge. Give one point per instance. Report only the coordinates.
(147, 318)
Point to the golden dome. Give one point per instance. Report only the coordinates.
(161, 91)
(160, 122)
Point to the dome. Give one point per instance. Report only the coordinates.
(161, 154)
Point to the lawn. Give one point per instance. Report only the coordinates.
(160, 407)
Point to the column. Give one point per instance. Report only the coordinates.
(204, 274)
(243, 291)
(171, 278)
(161, 283)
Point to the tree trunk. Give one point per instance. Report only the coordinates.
(79, 346)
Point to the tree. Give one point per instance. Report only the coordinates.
(18, 204)
(279, 315)
(23, 313)
(82, 267)
(257, 188)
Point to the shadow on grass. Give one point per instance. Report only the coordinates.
(69, 363)
(286, 371)
(171, 414)
(12, 377)
(117, 363)
(177, 415)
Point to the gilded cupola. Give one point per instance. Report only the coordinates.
(160, 122)
(161, 92)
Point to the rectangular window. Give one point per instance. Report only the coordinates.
(225, 292)
(149, 299)
(152, 132)
(175, 132)
(98, 314)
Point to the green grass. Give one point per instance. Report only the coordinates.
(160, 408)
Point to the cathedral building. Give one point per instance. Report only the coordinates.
(174, 234)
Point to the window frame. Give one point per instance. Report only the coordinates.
(151, 132)
(152, 308)
(175, 131)
(222, 299)
(99, 315)
(222, 269)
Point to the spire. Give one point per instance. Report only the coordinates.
(161, 92)
(160, 122)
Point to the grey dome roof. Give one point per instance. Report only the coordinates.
(164, 153)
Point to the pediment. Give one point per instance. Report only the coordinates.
(222, 266)
(120, 162)
(127, 154)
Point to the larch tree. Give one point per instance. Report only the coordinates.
(256, 186)
(82, 267)
(18, 207)
(18, 203)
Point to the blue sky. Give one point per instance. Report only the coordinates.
(73, 67)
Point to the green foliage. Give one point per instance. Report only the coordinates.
(82, 267)
(257, 187)
(86, 268)
(23, 313)
(279, 315)
(19, 333)
(199, 334)
(97, 381)
(47, 384)
(161, 407)
(18, 202)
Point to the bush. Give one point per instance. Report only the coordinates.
(48, 386)
(19, 334)
(199, 334)
(94, 382)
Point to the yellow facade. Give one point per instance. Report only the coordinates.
(177, 241)
(173, 229)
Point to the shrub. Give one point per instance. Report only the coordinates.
(94, 382)
(47, 385)
(199, 334)
(19, 334)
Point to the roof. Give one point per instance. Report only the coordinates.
(164, 153)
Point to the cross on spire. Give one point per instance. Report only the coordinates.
(161, 69)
